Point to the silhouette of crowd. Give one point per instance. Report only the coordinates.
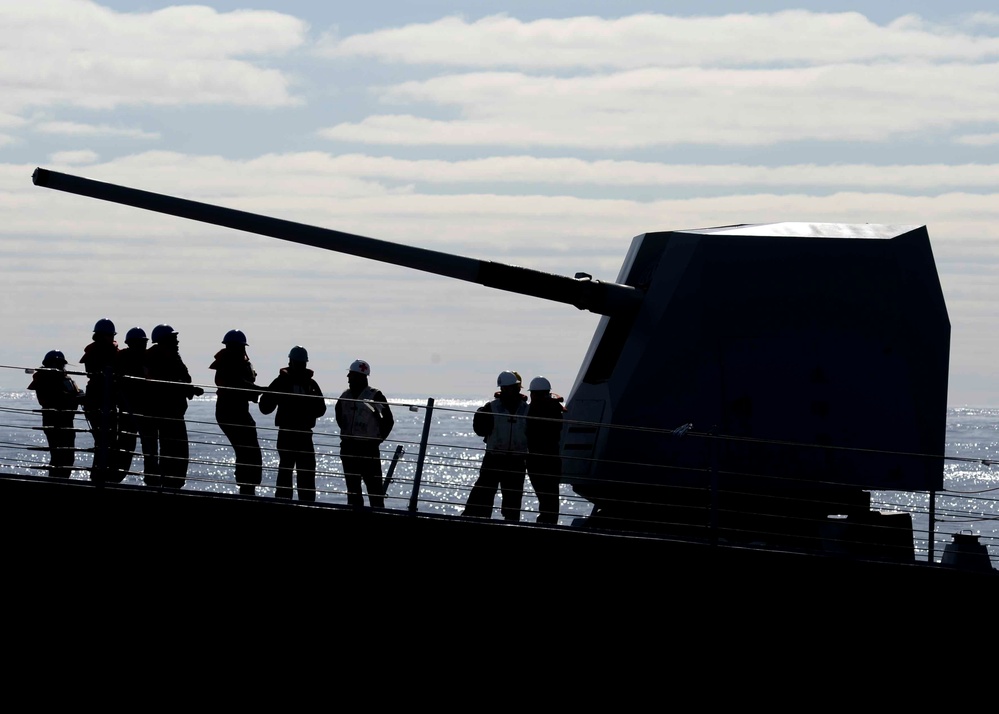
(138, 396)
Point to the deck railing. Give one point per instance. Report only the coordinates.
(433, 458)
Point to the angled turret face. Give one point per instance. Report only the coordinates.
(818, 334)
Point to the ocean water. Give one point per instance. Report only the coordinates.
(969, 502)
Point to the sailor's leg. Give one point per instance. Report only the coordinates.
(483, 493)
(286, 463)
(64, 454)
(241, 431)
(306, 463)
(352, 476)
(174, 452)
(512, 486)
(151, 452)
(104, 427)
(127, 439)
(61, 439)
(544, 471)
(253, 461)
(373, 479)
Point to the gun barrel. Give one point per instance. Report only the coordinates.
(600, 297)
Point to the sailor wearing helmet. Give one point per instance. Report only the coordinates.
(236, 382)
(299, 403)
(365, 421)
(502, 423)
(130, 374)
(99, 405)
(544, 436)
(58, 397)
(168, 456)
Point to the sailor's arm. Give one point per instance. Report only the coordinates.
(386, 421)
(482, 422)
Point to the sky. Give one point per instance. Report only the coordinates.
(542, 134)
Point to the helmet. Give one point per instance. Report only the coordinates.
(54, 358)
(234, 337)
(299, 354)
(104, 326)
(360, 366)
(507, 379)
(540, 384)
(161, 331)
(136, 333)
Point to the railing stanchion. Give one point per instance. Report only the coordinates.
(713, 434)
(931, 530)
(105, 436)
(414, 497)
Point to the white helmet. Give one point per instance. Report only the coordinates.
(540, 384)
(299, 354)
(361, 367)
(234, 337)
(507, 379)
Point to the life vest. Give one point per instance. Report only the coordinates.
(362, 413)
(55, 390)
(509, 432)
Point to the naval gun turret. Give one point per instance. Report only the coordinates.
(814, 355)
(812, 358)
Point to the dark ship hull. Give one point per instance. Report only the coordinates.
(137, 537)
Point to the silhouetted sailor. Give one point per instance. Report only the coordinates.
(130, 373)
(236, 381)
(58, 397)
(100, 403)
(502, 424)
(544, 438)
(167, 459)
(365, 421)
(299, 402)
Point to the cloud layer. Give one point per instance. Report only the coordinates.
(657, 107)
(78, 53)
(791, 37)
(654, 80)
(546, 143)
